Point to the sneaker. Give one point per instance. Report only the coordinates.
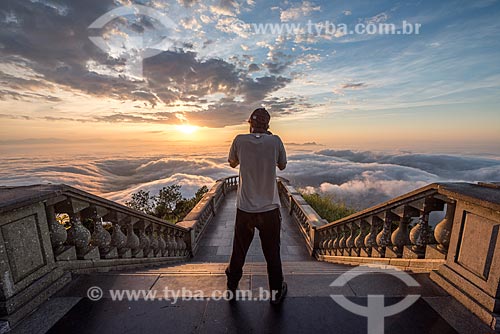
(280, 295)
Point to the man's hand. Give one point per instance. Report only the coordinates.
(233, 163)
(281, 167)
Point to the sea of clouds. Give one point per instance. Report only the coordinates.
(359, 178)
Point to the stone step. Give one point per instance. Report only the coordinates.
(259, 268)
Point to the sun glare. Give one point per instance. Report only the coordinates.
(187, 129)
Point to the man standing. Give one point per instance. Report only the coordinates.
(258, 205)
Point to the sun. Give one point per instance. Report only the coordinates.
(187, 129)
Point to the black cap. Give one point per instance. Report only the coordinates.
(260, 118)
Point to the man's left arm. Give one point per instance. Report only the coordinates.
(233, 155)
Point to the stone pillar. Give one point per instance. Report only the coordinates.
(471, 272)
(29, 270)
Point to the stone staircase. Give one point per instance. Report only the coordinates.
(193, 303)
(307, 308)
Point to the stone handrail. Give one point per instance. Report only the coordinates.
(462, 254)
(371, 232)
(202, 214)
(302, 213)
(49, 231)
(134, 234)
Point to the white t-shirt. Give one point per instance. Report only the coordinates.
(258, 155)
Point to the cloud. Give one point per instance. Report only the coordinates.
(189, 185)
(226, 7)
(253, 68)
(443, 166)
(56, 49)
(117, 179)
(354, 85)
(361, 179)
(379, 18)
(365, 178)
(311, 143)
(297, 11)
(339, 90)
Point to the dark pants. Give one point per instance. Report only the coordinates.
(269, 224)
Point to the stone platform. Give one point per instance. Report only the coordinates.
(308, 307)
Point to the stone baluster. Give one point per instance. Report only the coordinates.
(162, 244)
(419, 234)
(371, 237)
(155, 247)
(336, 241)
(100, 238)
(153, 243)
(359, 241)
(442, 232)
(330, 240)
(176, 247)
(342, 231)
(58, 234)
(384, 236)
(170, 243)
(291, 205)
(79, 236)
(349, 243)
(181, 243)
(119, 240)
(133, 241)
(145, 243)
(323, 244)
(400, 237)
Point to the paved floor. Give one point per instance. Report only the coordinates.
(308, 307)
(217, 241)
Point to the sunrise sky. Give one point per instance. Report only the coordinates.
(433, 91)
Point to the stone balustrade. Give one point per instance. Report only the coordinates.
(461, 252)
(48, 232)
(395, 229)
(302, 213)
(203, 213)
